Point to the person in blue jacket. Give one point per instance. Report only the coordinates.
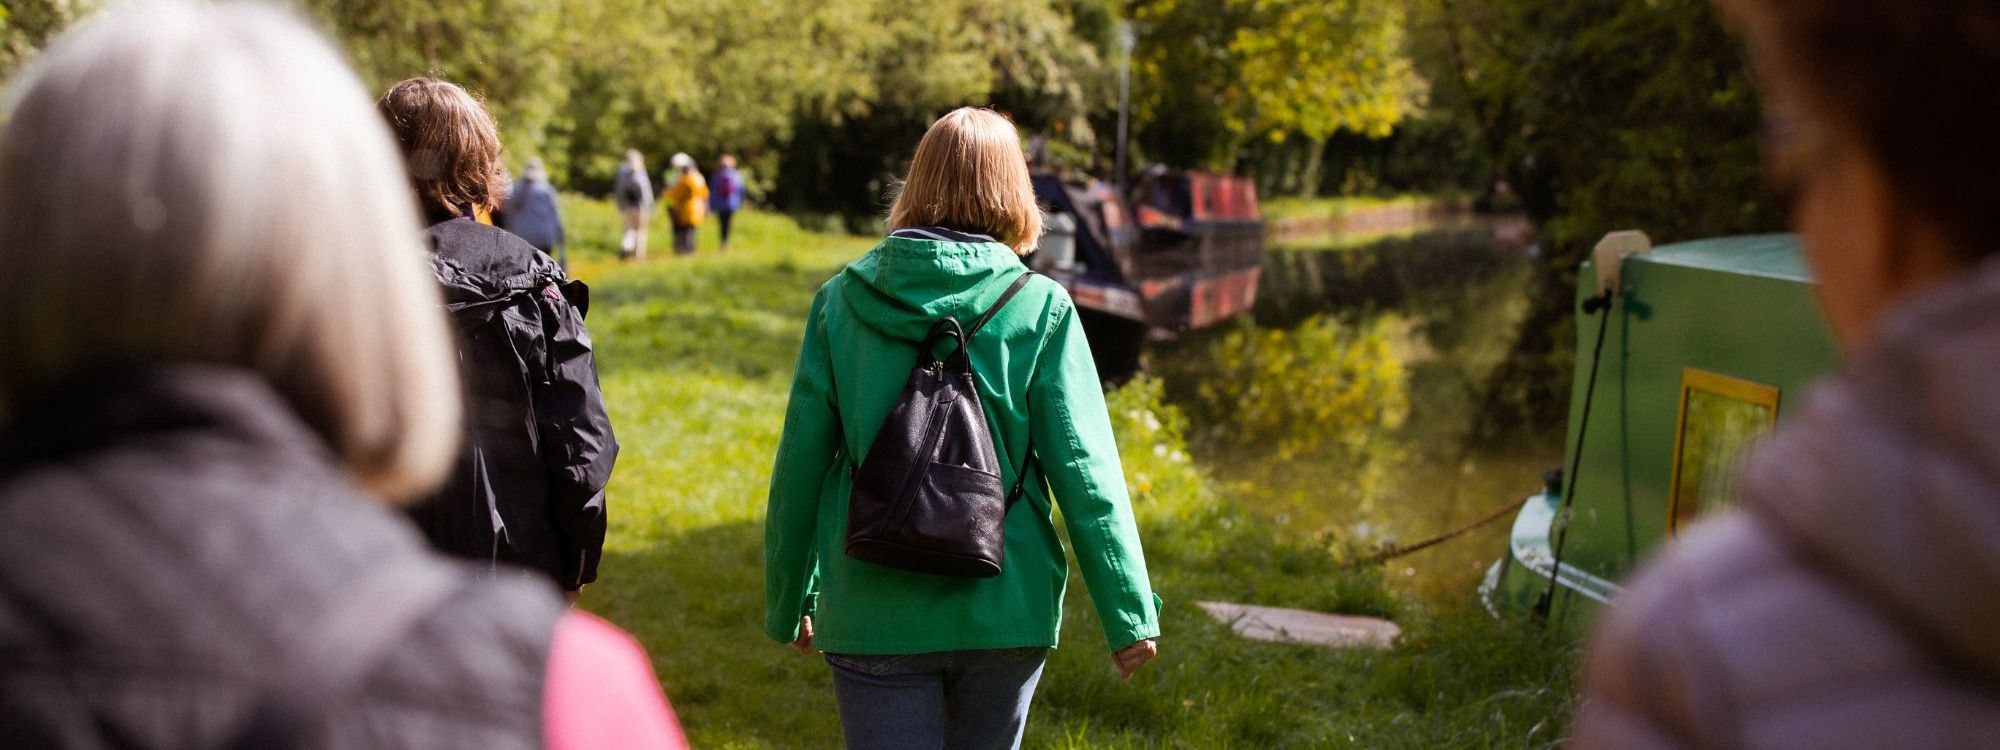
(725, 195)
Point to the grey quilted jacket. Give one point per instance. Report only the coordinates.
(182, 566)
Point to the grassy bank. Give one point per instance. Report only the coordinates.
(1279, 210)
(696, 356)
(1357, 222)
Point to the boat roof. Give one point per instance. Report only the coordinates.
(1777, 256)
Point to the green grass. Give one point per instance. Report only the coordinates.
(696, 356)
(1343, 241)
(1296, 223)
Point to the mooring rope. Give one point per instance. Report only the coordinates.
(1394, 551)
(1601, 303)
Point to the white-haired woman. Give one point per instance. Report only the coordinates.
(209, 387)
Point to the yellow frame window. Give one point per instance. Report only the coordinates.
(1728, 415)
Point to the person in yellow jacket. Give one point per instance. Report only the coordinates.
(687, 202)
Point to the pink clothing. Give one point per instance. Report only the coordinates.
(1854, 603)
(601, 693)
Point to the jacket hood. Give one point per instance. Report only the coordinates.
(1889, 477)
(905, 285)
(477, 263)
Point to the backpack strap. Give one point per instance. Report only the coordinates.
(946, 326)
(1021, 479)
(1005, 297)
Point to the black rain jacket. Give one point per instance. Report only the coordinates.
(529, 487)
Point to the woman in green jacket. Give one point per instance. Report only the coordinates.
(927, 661)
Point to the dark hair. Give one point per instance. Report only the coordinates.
(1911, 83)
(450, 142)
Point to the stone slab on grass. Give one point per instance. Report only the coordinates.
(1301, 626)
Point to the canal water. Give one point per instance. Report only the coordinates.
(1346, 408)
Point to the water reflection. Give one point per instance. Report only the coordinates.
(1345, 409)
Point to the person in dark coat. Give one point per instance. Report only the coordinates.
(529, 488)
(210, 391)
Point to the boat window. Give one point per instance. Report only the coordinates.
(1720, 417)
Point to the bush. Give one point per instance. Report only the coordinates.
(1212, 548)
(1322, 384)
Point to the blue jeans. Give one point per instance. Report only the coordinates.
(957, 700)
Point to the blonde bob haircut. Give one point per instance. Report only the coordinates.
(196, 184)
(970, 174)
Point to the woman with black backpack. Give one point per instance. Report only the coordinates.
(910, 532)
(632, 191)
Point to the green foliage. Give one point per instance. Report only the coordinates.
(1322, 384)
(1212, 75)
(1280, 210)
(823, 100)
(835, 92)
(1023, 58)
(487, 45)
(25, 25)
(1315, 67)
(1602, 115)
(1327, 396)
(1216, 549)
(1449, 300)
(1152, 440)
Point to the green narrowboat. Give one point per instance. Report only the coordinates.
(1686, 355)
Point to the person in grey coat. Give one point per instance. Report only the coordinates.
(532, 213)
(632, 191)
(1854, 598)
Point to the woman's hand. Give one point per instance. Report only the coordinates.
(805, 642)
(1131, 658)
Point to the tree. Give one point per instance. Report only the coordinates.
(497, 48)
(919, 61)
(1601, 115)
(1212, 75)
(25, 25)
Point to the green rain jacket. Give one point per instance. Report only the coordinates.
(1035, 373)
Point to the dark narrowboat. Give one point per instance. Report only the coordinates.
(1184, 253)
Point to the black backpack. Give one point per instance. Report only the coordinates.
(630, 191)
(928, 497)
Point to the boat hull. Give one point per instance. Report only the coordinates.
(1704, 346)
